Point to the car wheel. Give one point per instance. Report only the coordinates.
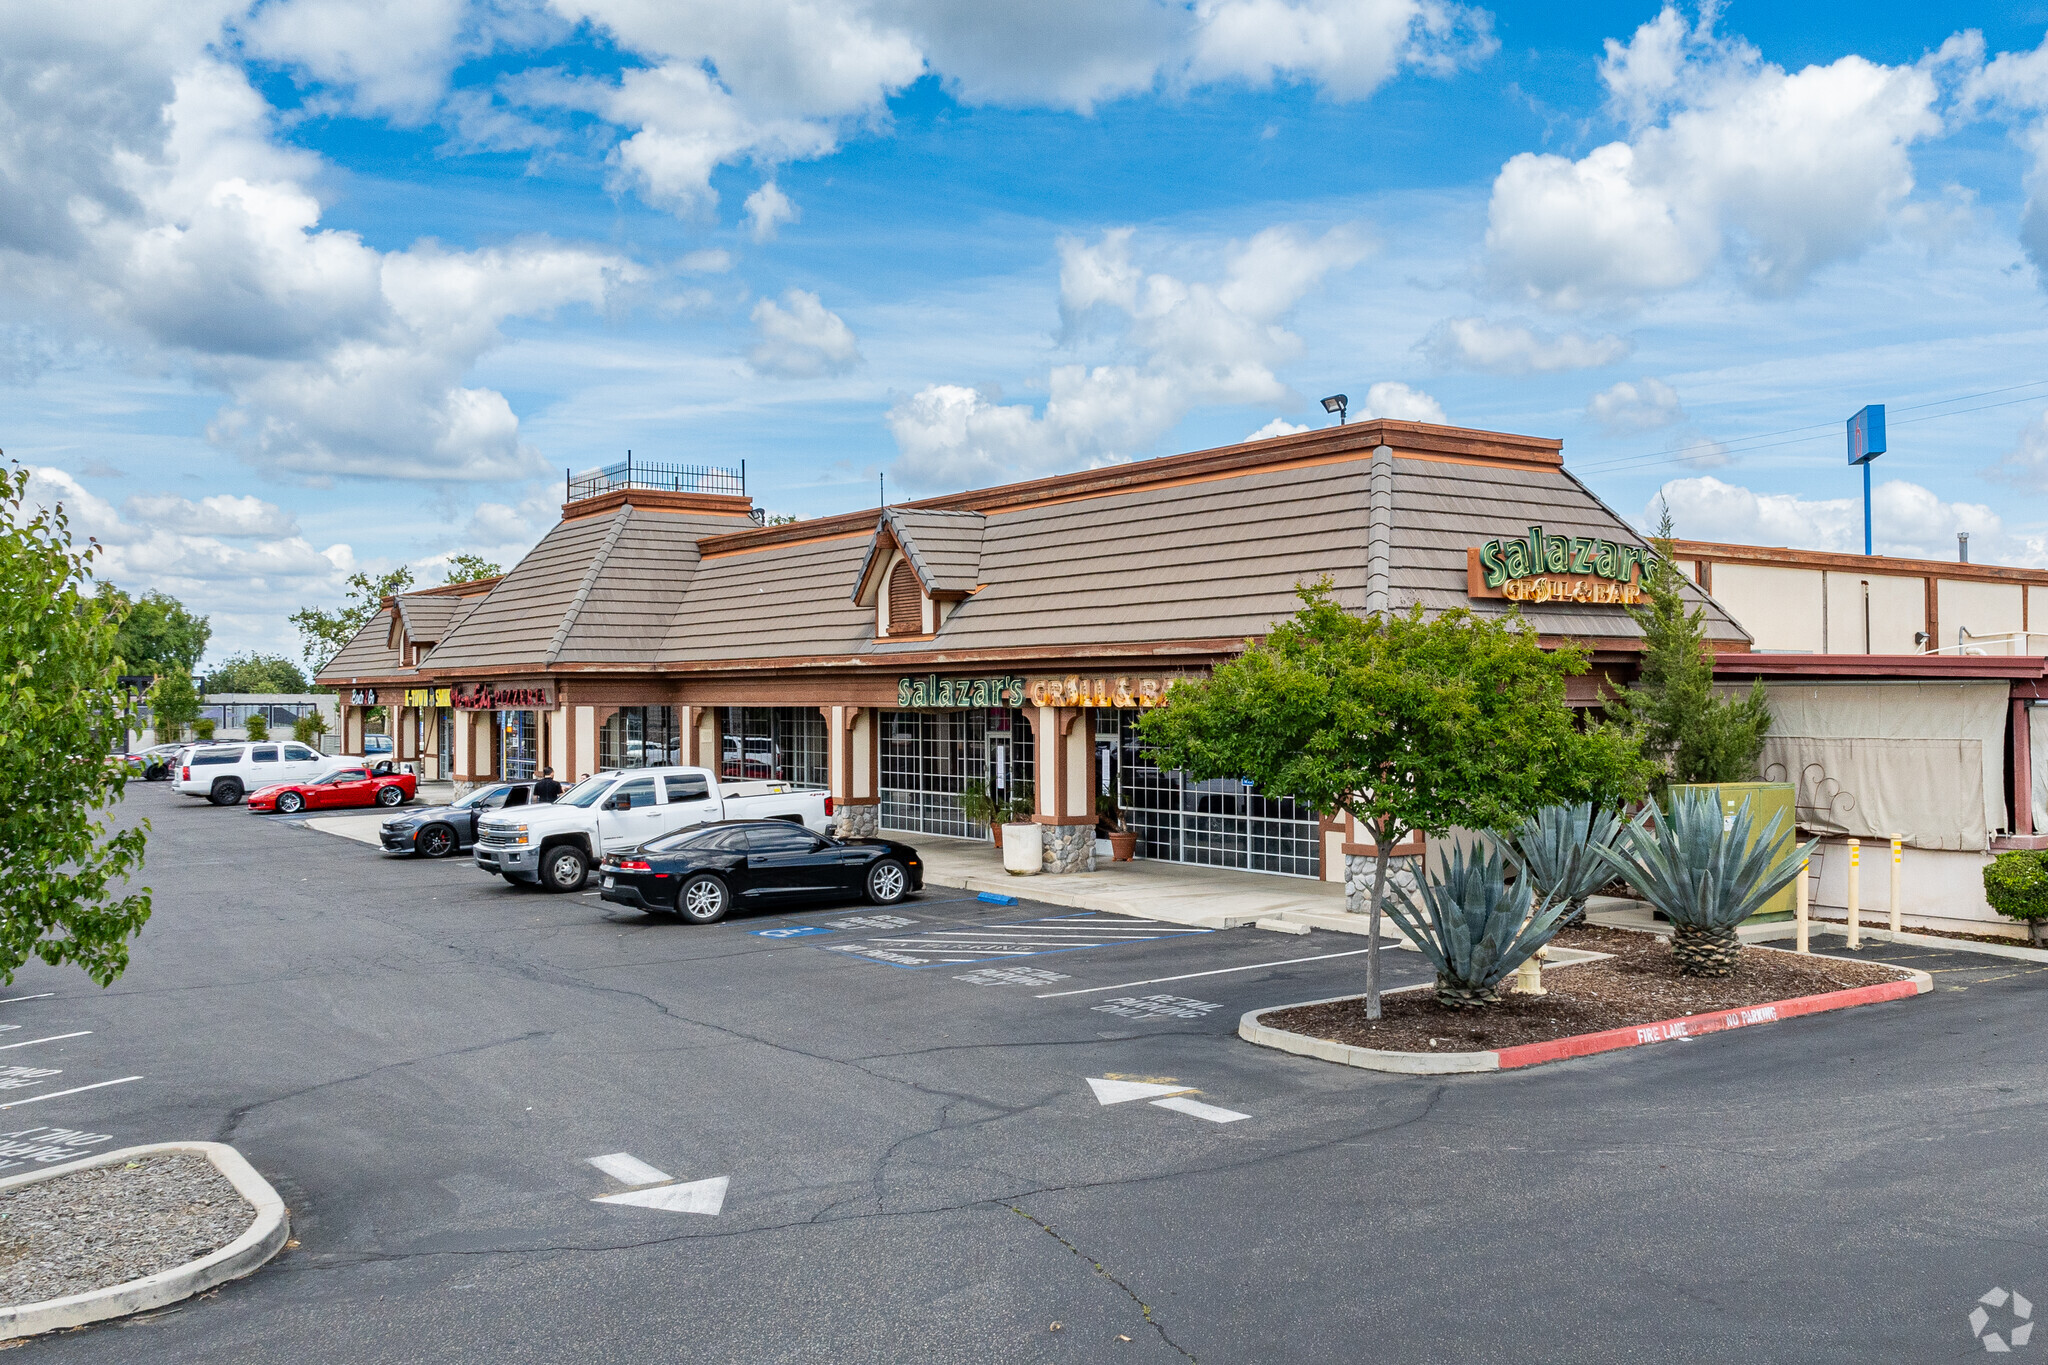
(703, 899)
(887, 882)
(290, 803)
(390, 796)
(226, 793)
(564, 868)
(435, 841)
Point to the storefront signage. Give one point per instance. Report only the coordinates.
(932, 690)
(490, 697)
(1547, 568)
(1123, 692)
(426, 697)
(363, 696)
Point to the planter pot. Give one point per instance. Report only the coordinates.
(1023, 849)
(1123, 846)
(995, 832)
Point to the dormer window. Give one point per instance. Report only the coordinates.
(906, 600)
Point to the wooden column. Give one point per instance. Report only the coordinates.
(853, 752)
(1066, 763)
(2022, 769)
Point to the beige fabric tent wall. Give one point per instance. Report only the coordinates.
(1925, 760)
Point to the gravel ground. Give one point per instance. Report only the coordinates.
(112, 1224)
(1639, 984)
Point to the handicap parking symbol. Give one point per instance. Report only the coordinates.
(794, 931)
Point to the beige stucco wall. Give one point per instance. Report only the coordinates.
(1780, 607)
(1898, 610)
(1981, 608)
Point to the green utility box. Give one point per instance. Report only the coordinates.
(1765, 800)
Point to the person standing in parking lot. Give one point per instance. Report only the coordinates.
(547, 789)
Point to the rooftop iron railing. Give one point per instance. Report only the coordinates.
(661, 478)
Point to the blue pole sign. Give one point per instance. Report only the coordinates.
(1866, 443)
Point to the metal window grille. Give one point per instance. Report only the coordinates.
(928, 756)
(775, 743)
(1219, 823)
(660, 478)
(639, 737)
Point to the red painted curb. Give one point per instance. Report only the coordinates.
(1699, 1025)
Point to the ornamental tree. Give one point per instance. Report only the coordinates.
(323, 633)
(1412, 724)
(61, 706)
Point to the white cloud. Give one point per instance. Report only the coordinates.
(801, 338)
(1642, 406)
(183, 548)
(2026, 464)
(2015, 85)
(768, 208)
(1728, 155)
(1176, 344)
(1399, 403)
(393, 55)
(1907, 520)
(1348, 47)
(1279, 426)
(1515, 348)
(222, 514)
(175, 224)
(710, 261)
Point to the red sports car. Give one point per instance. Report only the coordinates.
(340, 788)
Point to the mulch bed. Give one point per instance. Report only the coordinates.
(108, 1225)
(1639, 984)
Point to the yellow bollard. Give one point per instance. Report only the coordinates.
(1799, 907)
(1898, 850)
(1855, 906)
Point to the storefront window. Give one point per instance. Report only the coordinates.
(774, 744)
(928, 756)
(518, 745)
(444, 755)
(1219, 823)
(639, 737)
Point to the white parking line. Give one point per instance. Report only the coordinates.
(44, 996)
(1189, 976)
(51, 1039)
(58, 1094)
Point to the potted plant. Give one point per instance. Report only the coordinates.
(981, 808)
(1025, 849)
(1123, 843)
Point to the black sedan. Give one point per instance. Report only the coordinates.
(702, 873)
(439, 831)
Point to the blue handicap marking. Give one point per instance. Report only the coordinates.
(794, 931)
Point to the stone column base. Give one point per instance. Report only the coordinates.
(1402, 878)
(464, 788)
(858, 822)
(1069, 848)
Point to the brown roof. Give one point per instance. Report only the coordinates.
(599, 589)
(367, 655)
(1203, 547)
(425, 616)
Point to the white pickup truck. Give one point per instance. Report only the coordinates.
(608, 812)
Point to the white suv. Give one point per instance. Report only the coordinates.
(224, 773)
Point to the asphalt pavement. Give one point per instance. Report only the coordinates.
(895, 1127)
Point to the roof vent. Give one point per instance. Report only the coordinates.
(1962, 547)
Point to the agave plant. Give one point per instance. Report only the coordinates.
(1705, 873)
(1555, 848)
(1474, 926)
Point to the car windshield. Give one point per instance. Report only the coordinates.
(477, 797)
(589, 791)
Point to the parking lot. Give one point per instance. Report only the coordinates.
(850, 1134)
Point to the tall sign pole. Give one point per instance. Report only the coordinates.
(1866, 443)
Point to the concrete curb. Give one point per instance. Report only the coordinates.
(263, 1239)
(1560, 1049)
(2017, 952)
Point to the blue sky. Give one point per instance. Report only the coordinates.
(310, 287)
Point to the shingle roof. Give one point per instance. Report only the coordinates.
(426, 615)
(783, 602)
(943, 547)
(600, 589)
(367, 655)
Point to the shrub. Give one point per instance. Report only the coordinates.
(307, 729)
(2016, 884)
(256, 727)
(1555, 847)
(202, 730)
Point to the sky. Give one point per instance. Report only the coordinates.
(304, 288)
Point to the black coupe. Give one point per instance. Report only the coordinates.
(439, 831)
(701, 873)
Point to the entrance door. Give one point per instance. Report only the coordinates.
(1001, 777)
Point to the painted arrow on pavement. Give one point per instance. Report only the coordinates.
(1175, 1098)
(658, 1189)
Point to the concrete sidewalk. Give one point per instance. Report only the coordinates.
(1177, 893)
